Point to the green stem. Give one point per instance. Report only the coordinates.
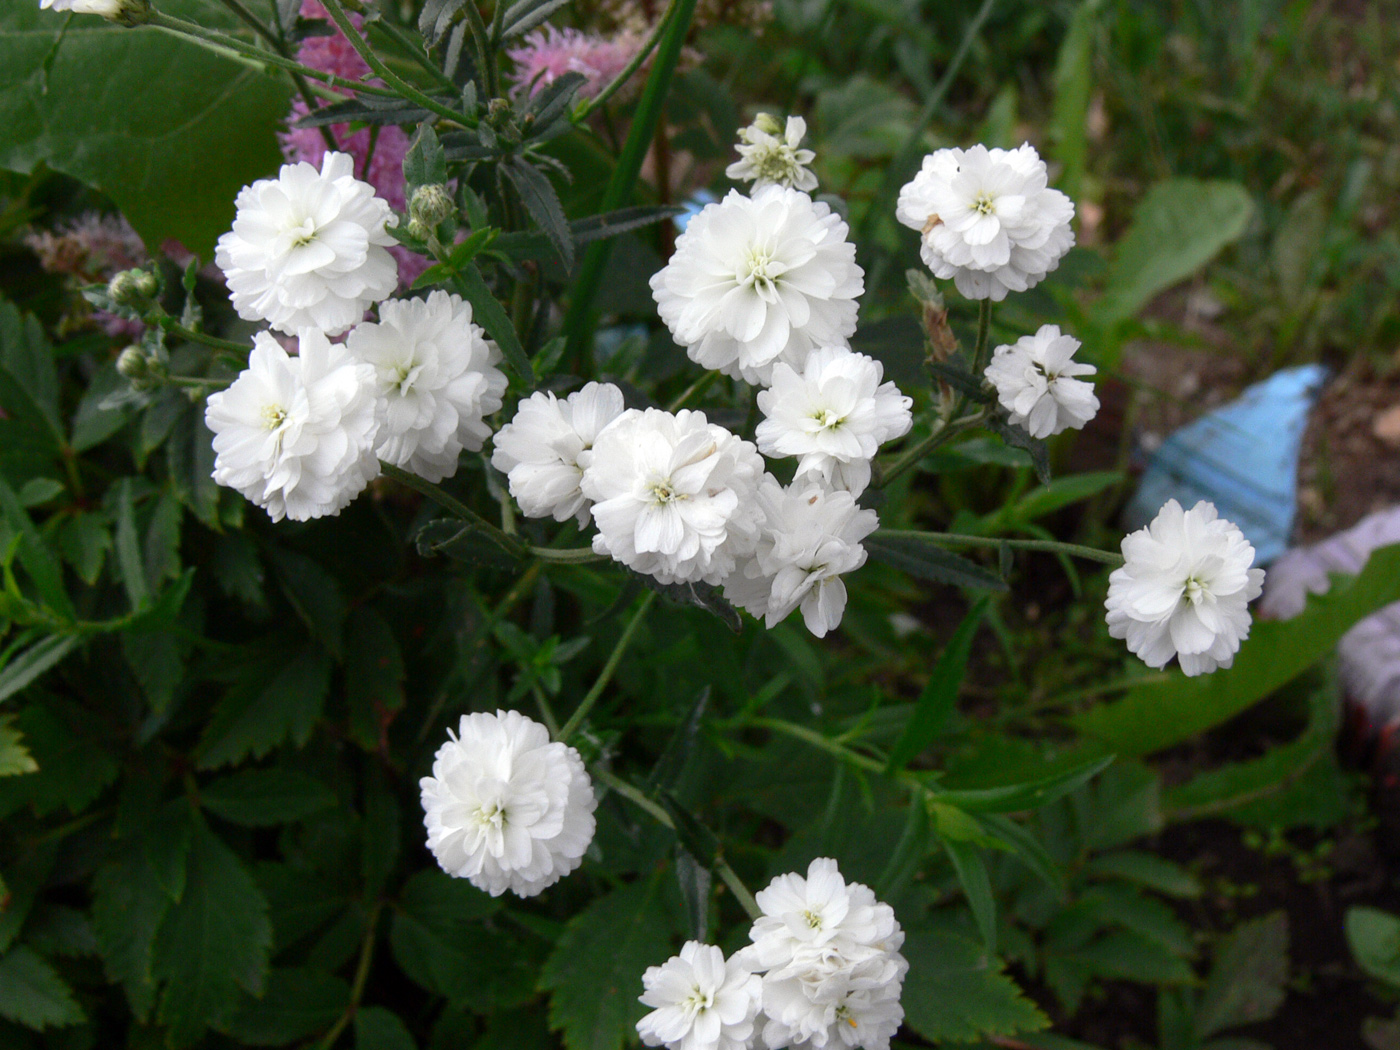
(414, 52)
(173, 327)
(568, 555)
(587, 106)
(195, 383)
(579, 322)
(819, 741)
(357, 988)
(605, 676)
(452, 505)
(546, 712)
(400, 86)
(953, 539)
(729, 876)
(984, 326)
(694, 390)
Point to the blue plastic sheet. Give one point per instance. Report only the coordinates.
(1243, 457)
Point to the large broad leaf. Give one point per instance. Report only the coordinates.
(595, 971)
(956, 992)
(1155, 716)
(168, 130)
(1179, 227)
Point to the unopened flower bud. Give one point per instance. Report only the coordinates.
(768, 124)
(131, 287)
(430, 205)
(135, 364)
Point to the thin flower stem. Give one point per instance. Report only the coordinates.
(174, 328)
(946, 429)
(546, 712)
(694, 390)
(195, 383)
(587, 106)
(1075, 550)
(452, 505)
(605, 676)
(729, 876)
(401, 87)
(357, 988)
(820, 741)
(567, 555)
(419, 57)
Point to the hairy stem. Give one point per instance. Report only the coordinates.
(453, 506)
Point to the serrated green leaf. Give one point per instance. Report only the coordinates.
(1133, 910)
(14, 756)
(524, 15)
(279, 699)
(145, 143)
(379, 1029)
(594, 973)
(211, 944)
(678, 748)
(189, 455)
(32, 994)
(1179, 226)
(374, 676)
(1246, 983)
(315, 595)
(492, 316)
(543, 205)
(74, 767)
(1155, 716)
(424, 163)
(920, 556)
(34, 554)
(1145, 869)
(30, 390)
(84, 540)
(295, 1004)
(939, 698)
(26, 666)
(955, 991)
(1017, 437)
(127, 907)
(266, 797)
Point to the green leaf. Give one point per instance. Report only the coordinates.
(1246, 984)
(543, 205)
(676, 754)
(74, 766)
(424, 163)
(1145, 869)
(14, 756)
(1374, 938)
(594, 974)
(1073, 84)
(28, 665)
(266, 797)
(939, 697)
(1032, 794)
(379, 1029)
(1157, 715)
(956, 992)
(1017, 437)
(700, 595)
(32, 994)
(127, 908)
(189, 454)
(374, 676)
(34, 554)
(1177, 228)
(920, 556)
(524, 15)
(129, 560)
(145, 142)
(1061, 492)
(211, 944)
(464, 542)
(492, 316)
(295, 1005)
(315, 595)
(85, 540)
(28, 380)
(274, 702)
(977, 887)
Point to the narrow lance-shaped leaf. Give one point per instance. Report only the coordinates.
(493, 317)
(543, 205)
(920, 556)
(977, 887)
(940, 695)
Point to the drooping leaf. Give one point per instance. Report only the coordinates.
(144, 141)
(212, 944)
(32, 994)
(920, 556)
(1017, 437)
(939, 697)
(955, 991)
(266, 797)
(593, 973)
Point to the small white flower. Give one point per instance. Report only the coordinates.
(1035, 382)
(673, 495)
(831, 952)
(505, 808)
(987, 219)
(771, 155)
(758, 280)
(127, 12)
(699, 1001)
(436, 378)
(544, 448)
(811, 537)
(308, 249)
(296, 434)
(834, 413)
(1184, 589)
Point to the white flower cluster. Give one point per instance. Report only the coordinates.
(302, 436)
(1036, 382)
(771, 154)
(823, 969)
(505, 808)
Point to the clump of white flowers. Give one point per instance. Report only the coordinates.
(674, 495)
(1036, 382)
(834, 413)
(506, 808)
(544, 448)
(987, 219)
(127, 12)
(1184, 589)
(309, 249)
(699, 1001)
(770, 154)
(296, 435)
(761, 279)
(436, 377)
(811, 537)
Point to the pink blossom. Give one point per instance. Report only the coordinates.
(549, 53)
(93, 246)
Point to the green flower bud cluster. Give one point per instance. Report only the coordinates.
(429, 206)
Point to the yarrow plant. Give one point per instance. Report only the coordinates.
(770, 154)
